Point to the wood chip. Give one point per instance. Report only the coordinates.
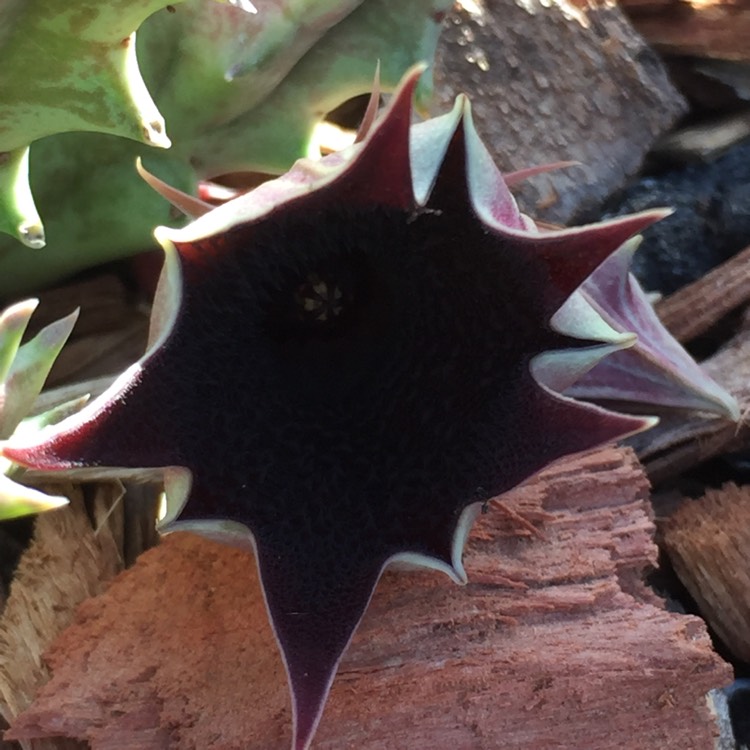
(708, 542)
(74, 553)
(705, 141)
(698, 307)
(68, 561)
(556, 642)
(716, 29)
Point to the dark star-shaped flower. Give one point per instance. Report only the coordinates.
(341, 362)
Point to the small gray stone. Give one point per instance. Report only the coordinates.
(550, 81)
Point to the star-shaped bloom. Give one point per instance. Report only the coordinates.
(341, 363)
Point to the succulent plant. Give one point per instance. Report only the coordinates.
(340, 373)
(238, 90)
(347, 362)
(23, 370)
(67, 66)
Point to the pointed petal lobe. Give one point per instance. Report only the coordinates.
(572, 255)
(657, 370)
(315, 603)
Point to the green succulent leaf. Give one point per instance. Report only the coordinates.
(18, 215)
(72, 66)
(67, 66)
(224, 79)
(339, 67)
(23, 370)
(96, 208)
(29, 370)
(13, 322)
(208, 64)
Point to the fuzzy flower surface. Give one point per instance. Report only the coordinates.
(340, 371)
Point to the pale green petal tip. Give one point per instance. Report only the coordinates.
(578, 319)
(558, 370)
(230, 533)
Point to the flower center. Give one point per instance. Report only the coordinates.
(319, 299)
(320, 302)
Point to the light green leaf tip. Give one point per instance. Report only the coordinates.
(13, 322)
(23, 370)
(29, 370)
(18, 500)
(18, 215)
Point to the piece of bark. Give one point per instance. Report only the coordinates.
(557, 81)
(555, 642)
(706, 140)
(707, 86)
(718, 29)
(75, 551)
(708, 542)
(698, 307)
(68, 561)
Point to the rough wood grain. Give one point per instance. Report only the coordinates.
(554, 81)
(67, 562)
(708, 542)
(697, 307)
(555, 643)
(718, 29)
(74, 553)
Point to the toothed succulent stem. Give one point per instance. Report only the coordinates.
(223, 78)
